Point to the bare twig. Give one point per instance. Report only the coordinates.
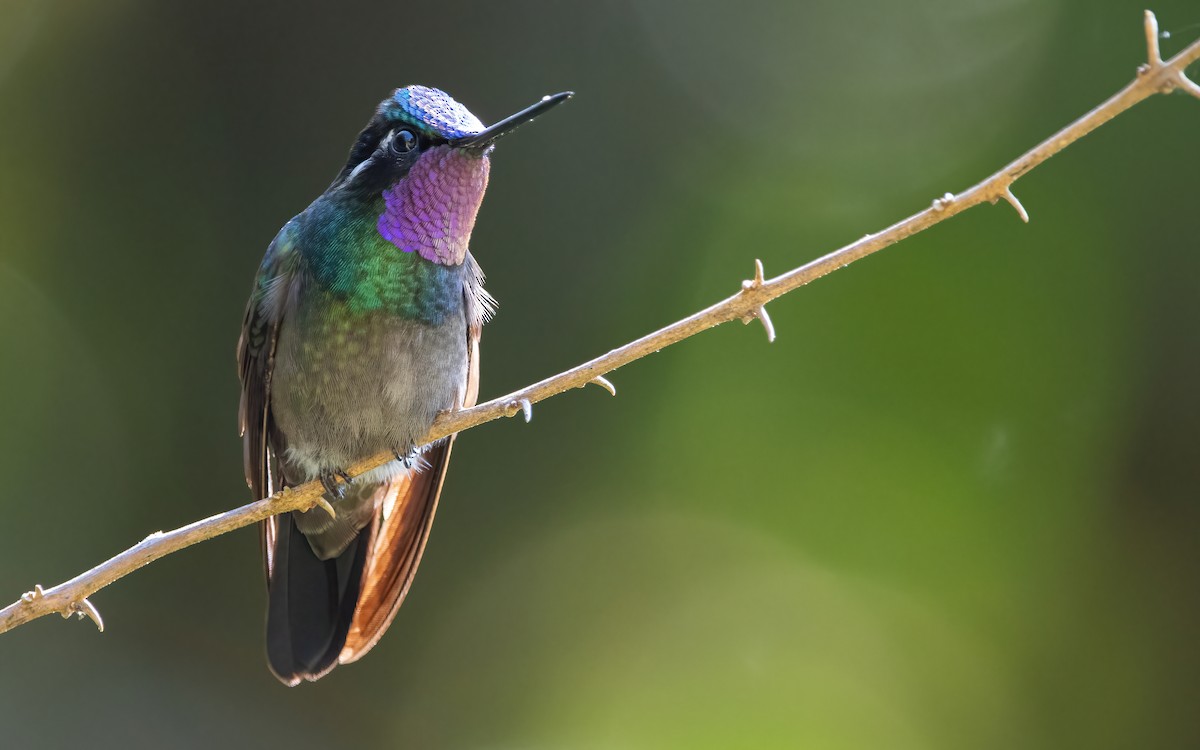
(1155, 76)
(70, 598)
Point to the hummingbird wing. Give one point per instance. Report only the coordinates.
(255, 362)
(310, 599)
(401, 530)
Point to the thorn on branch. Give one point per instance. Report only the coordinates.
(758, 279)
(940, 204)
(604, 383)
(1153, 54)
(324, 505)
(1016, 204)
(83, 608)
(760, 315)
(29, 597)
(767, 324)
(521, 405)
(1154, 61)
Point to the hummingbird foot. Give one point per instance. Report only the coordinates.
(329, 481)
(412, 460)
(408, 458)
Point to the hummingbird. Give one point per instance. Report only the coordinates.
(363, 324)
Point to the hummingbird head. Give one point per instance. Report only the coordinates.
(426, 156)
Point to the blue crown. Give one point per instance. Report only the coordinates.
(432, 110)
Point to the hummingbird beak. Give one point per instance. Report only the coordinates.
(489, 135)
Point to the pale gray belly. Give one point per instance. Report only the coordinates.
(342, 392)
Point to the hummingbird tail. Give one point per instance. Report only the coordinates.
(311, 603)
(322, 613)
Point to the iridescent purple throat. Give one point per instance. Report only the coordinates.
(432, 210)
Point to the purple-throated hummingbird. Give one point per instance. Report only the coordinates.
(363, 324)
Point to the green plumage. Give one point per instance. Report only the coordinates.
(345, 256)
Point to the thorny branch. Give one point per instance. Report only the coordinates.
(1155, 76)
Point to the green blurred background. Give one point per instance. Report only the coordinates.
(953, 506)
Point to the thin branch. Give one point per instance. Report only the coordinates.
(1155, 76)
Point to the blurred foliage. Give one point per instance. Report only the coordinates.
(954, 505)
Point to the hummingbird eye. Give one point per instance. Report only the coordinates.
(403, 141)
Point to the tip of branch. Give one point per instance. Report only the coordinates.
(758, 279)
(604, 383)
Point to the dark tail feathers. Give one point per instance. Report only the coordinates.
(307, 622)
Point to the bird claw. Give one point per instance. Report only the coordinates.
(29, 597)
(407, 458)
(329, 482)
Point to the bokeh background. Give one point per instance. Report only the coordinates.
(953, 506)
